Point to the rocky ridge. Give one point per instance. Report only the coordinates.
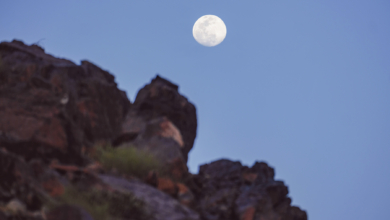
(53, 114)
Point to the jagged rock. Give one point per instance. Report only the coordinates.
(229, 190)
(157, 99)
(53, 108)
(168, 186)
(160, 205)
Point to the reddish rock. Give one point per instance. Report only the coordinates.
(249, 177)
(51, 107)
(178, 169)
(66, 168)
(53, 187)
(248, 214)
(168, 186)
(184, 195)
(51, 182)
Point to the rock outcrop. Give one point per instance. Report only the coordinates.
(54, 116)
(162, 98)
(232, 191)
(53, 108)
(163, 122)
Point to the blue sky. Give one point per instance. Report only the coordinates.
(302, 85)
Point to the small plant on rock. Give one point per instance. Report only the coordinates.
(126, 160)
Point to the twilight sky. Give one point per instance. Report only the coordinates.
(301, 85)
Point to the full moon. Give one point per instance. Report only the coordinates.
(209, 30)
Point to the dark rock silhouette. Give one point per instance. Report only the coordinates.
(53, 113)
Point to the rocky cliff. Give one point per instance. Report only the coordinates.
(72, 146)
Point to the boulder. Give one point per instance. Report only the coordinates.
(162, 122)
(160, 205)
(160, 103)
(53, 108)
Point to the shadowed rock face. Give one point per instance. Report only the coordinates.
(51, 107)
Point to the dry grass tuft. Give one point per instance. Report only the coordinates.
(127, 160)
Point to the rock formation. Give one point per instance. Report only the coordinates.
(55, 115)
(53, 108)
(232, 191)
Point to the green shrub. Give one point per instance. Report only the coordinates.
(102, 205)
(127, 160)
